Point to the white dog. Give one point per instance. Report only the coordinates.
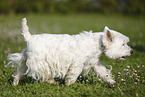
(47, 56)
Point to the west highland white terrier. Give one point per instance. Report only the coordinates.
(47, 56)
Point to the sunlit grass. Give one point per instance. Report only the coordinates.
(129, 74)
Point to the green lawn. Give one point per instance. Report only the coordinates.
(129, 74)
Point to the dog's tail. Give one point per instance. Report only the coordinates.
(15, 58)
(25, 30)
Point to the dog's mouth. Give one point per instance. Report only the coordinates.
(122, 58)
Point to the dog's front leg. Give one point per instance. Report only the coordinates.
(73, 73)
(104, 73)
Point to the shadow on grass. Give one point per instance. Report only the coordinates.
(23, 81)
(81, 80)
(139, 48)
(29, 80)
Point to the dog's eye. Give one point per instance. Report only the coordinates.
(123, 44)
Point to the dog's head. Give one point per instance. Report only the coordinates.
(116, 44)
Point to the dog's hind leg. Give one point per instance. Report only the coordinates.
(19, 59)
(103, 73)
(21, 70)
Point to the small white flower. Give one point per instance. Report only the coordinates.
(128, 66)
(124, 83)
(128, 73)
(135, 71)
(119, 72)
(13, 66)
(122, 79)
(125, 69)
(4, 62)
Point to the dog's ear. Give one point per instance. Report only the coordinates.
(108, 37)
(106, 29)
(108, 34)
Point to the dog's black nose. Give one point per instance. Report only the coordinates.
(131, 51)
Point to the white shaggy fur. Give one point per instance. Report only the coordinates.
(50, 55)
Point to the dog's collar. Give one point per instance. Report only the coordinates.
(102, 47)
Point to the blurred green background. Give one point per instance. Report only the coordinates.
(136, 7)
(72, 17)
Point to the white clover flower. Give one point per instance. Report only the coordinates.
(125, 69)
(124, 83)
(135, 71)
(4, 62)
(137, 79)
(119, 72)
(122, 79)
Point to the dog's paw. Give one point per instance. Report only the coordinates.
(111, 81)
(52, 81)
(15, 82)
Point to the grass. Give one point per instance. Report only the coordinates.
(129, 74)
